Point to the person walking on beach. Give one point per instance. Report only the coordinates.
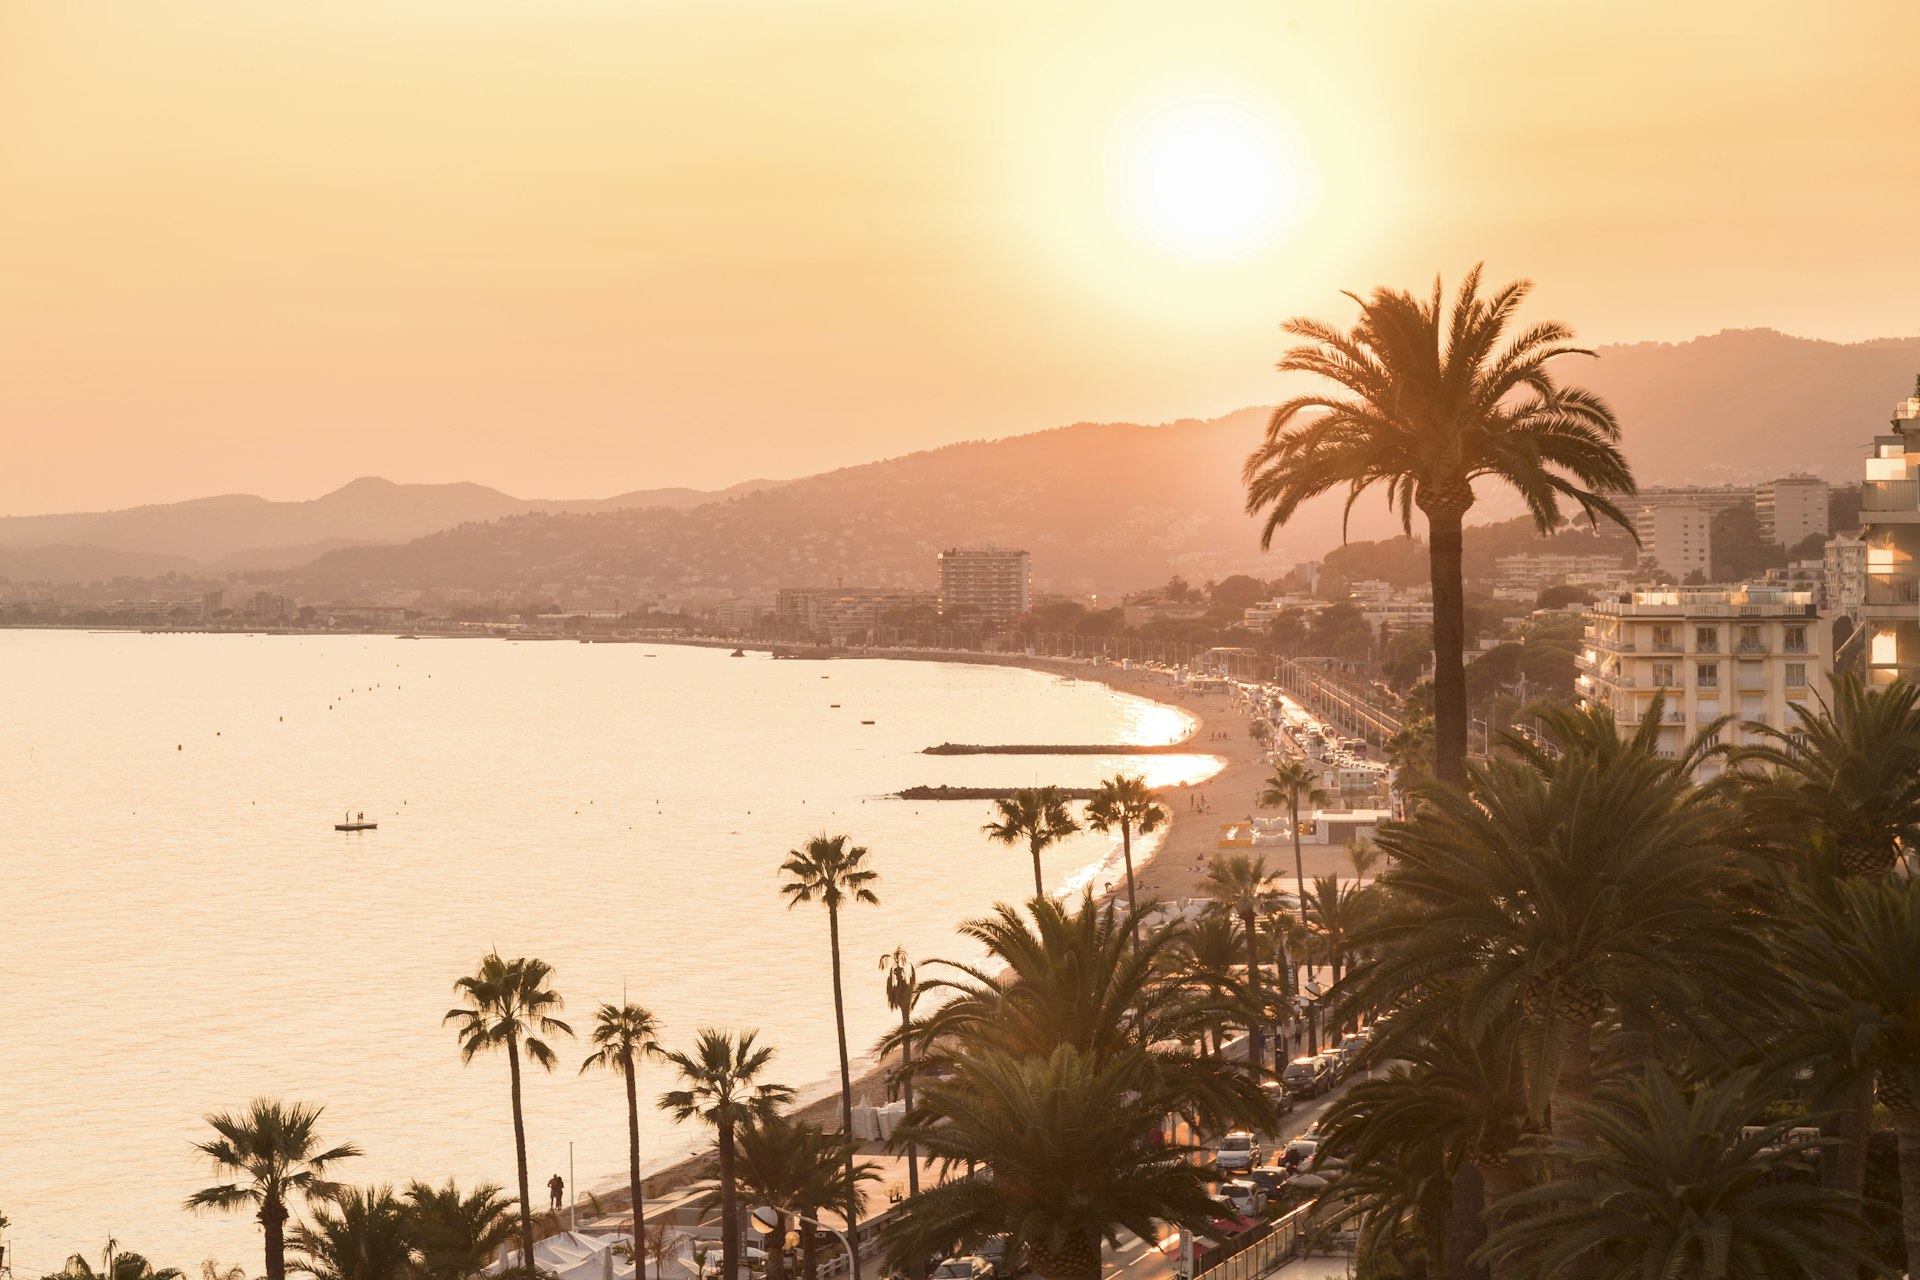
(555, 1186)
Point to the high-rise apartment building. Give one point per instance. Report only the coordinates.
(1677, 538)
(996, 583)
(1791, 509)
(1750, 652)
(1890, 519)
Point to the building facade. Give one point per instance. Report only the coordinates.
(1754, 653)
(1890, 528)
(1791, 509)
(996, 583)
(1676, 538)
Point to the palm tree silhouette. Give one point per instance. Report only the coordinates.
(1286, 788)
(273, 1149)
(1037, 815)
(1426, 400)
(510, 1005)
(723, 1092)
(625, 1035)
(1124, 804)
(903, 992)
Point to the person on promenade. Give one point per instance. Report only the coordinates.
(555, 1186)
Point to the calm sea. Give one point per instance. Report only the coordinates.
(183, 929)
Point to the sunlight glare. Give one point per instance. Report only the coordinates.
(1209, 181)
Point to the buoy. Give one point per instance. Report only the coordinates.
(177, 747)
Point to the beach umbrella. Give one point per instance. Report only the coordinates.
(1307, 1181)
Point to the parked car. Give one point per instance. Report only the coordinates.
(1238, 1152)
(1307, 1077)
(1277, 1097)
(1336, 1069)
(1269, 1178)
(971, 1267)
(1247, 1199)
(994, 1250)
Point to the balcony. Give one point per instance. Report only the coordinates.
(1893, 588)
(1890, 495)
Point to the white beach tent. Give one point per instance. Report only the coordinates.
(575, 1255)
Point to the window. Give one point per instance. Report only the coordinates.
(1707, 675)
(1706, 639)
(1795, 638)
(1663, 675)
(1796, 675)
(1665, 639)
(1750, 639)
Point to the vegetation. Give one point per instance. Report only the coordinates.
(624, 1036)
(1123, 803)
(1433, 402)
(273, 1157)
(1036, 815)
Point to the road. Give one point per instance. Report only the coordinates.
(1135, 1259)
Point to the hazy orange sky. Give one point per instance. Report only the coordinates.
(570, 247)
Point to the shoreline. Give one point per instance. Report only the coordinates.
(1171, 870)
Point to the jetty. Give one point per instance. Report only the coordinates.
(981, 793)
(1060, 749)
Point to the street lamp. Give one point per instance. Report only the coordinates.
(766, 1220)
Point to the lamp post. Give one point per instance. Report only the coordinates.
(766, 1220)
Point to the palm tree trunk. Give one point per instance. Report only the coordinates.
(1039, 886)
(1498, 1181)
(729, 1208)
(1907, 1124)
(633, 1175)
(809, 1252)
(1299, 864)
(1467, 1226)
(273, 1219)
(520, 1157)
(1126, 853)
(1449, 644)
(846, 1089)
(1843, 1166)
(1573, 1086)
(906, 1093)
(776, 1250)
(1256, 1038)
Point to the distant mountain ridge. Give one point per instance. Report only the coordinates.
(1103, 507)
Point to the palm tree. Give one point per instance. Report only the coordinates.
(1037, 815)
(624, 1035)
(1237, 884)
(272, 1149)
(1340, 911)
(1289, 785)
(362, 1234)
(829, 871)
(1677, 1182)
(1211, 950)
(115, 1265)
(798, 1167)
(1124, 804)
(1062, 1134)
(903, 992)
(457, 1236)
(1865, 939)
(723, 1091)
(1427, 400)
(511, 1004)
(1599, 884)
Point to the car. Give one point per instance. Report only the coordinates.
(1269, 1178)
(1238, 1152)
(994, 1250)
(1336, 1069)
(971, 1267)
(1307, 1077)
(1247, 1199)
(1277, 1097)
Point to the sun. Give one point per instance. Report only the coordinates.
(1208, 181)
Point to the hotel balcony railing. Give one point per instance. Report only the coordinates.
(1751, 646)
(1893, 588)
(1890, 495)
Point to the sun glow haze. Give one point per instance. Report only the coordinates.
(1209, 181)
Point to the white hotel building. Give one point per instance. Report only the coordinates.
(1890, 518)
(1750, 652)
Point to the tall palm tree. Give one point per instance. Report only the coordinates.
(1124, 803)
(1037, 815)
(1212, 949)
(272, 1150)
(796, 1166)
(1426, 400)
(833, 873)
(116, 1264)
(1237, 883)
(723, 1091)
(625, 1035)
(1341, 911)
(511, 1004)
(361, 1234)
(457, 1237)
(903, 993)
(1677, 1182)
(1062, 1134)
(1286, 788)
